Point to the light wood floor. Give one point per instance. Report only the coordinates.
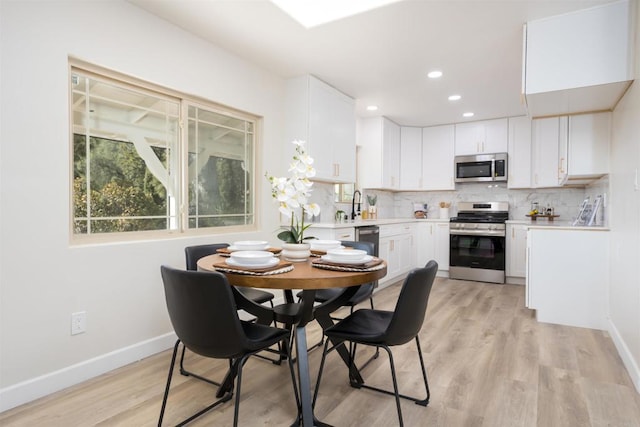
(489, 364)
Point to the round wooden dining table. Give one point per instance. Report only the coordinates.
(307, 278)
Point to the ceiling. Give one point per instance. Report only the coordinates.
(382, 57)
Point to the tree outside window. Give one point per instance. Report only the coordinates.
(127, 160)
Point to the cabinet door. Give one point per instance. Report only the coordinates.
(438, 157)
(390, 154)
(389, 252)
(469, 137)
(344, 141)
(519, 165)
(546, 133)
(321, 115)
(406, 254)
(442, 246)
(488, 136)
(331, 133)
(496, 136)
(516, 265)
(426, 242)
(410, 158)
(589, 136)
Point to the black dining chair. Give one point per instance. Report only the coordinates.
(204, 315)
(385, 329)
(363, 293)
(192, 255)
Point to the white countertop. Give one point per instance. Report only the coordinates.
(365, 222)
(556, 225)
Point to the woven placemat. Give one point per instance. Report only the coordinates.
(373, 265)
(281, 267)
(226, 252)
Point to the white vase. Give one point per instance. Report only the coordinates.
(296, 252)
(444, 213)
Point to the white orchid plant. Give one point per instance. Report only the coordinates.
(293, 194)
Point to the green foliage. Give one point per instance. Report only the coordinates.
(120, 186)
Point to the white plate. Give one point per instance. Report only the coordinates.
(321, 249)
(232, 248)
(251, 257)
(347, 254)
(272, 263)
(364, 260)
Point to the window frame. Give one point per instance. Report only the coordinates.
(182, 214)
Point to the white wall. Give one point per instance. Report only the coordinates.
(43, 279)
(624, 292)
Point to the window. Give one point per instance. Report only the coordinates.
(137, 166)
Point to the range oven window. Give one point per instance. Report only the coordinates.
(486, 252)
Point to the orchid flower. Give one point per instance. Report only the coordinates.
(292, 194)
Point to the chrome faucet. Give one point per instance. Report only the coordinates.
(353, 203)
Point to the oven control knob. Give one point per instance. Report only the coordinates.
(492, 227)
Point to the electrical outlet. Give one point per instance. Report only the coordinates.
(78, 322)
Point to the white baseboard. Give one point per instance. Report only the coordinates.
(625, 355)
(35, 388)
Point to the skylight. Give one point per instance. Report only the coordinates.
(311, 13)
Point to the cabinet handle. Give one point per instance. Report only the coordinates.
(337, 169)
(512, 233)
(561, 169)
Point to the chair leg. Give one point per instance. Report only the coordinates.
(186, 373)
(423, 402)
(166, 389)
(317, 388)
(395, 385)
(224, 398)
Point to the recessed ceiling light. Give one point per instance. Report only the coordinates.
(311, 13)
(372, 108)
(454, 97)
(434, 74)
(469, 114)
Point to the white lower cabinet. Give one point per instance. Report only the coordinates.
(567, 276)
(433, 243)
(397, 248)
(346, 233)
(516, 251)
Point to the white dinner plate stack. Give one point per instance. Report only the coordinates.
(252, 259)
(325, 245)
(249, 245)
(347, 256)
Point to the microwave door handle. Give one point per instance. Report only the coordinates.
(493, 169)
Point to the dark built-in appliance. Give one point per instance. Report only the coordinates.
(481, 168)
(477, 241)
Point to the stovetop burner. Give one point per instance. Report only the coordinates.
(482, 212)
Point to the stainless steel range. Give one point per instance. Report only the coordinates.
(477, 241)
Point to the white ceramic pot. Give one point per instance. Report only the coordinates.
(296, 252)
(444, 213)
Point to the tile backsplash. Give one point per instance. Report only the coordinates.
(565, 201)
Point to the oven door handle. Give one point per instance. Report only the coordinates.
(489, 233)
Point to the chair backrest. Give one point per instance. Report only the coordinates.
(365, 290)
(364, 246)
(411, 306)
(203, 312)
(194, 253)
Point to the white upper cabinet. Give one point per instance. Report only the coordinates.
(325, 118)
(588, 146)
(549, 135)
(437, 158)
(410, 158)
(378, 153)
(519, 164)
(578, 62)
(488, 136)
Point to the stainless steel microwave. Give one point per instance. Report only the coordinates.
(481, 167)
